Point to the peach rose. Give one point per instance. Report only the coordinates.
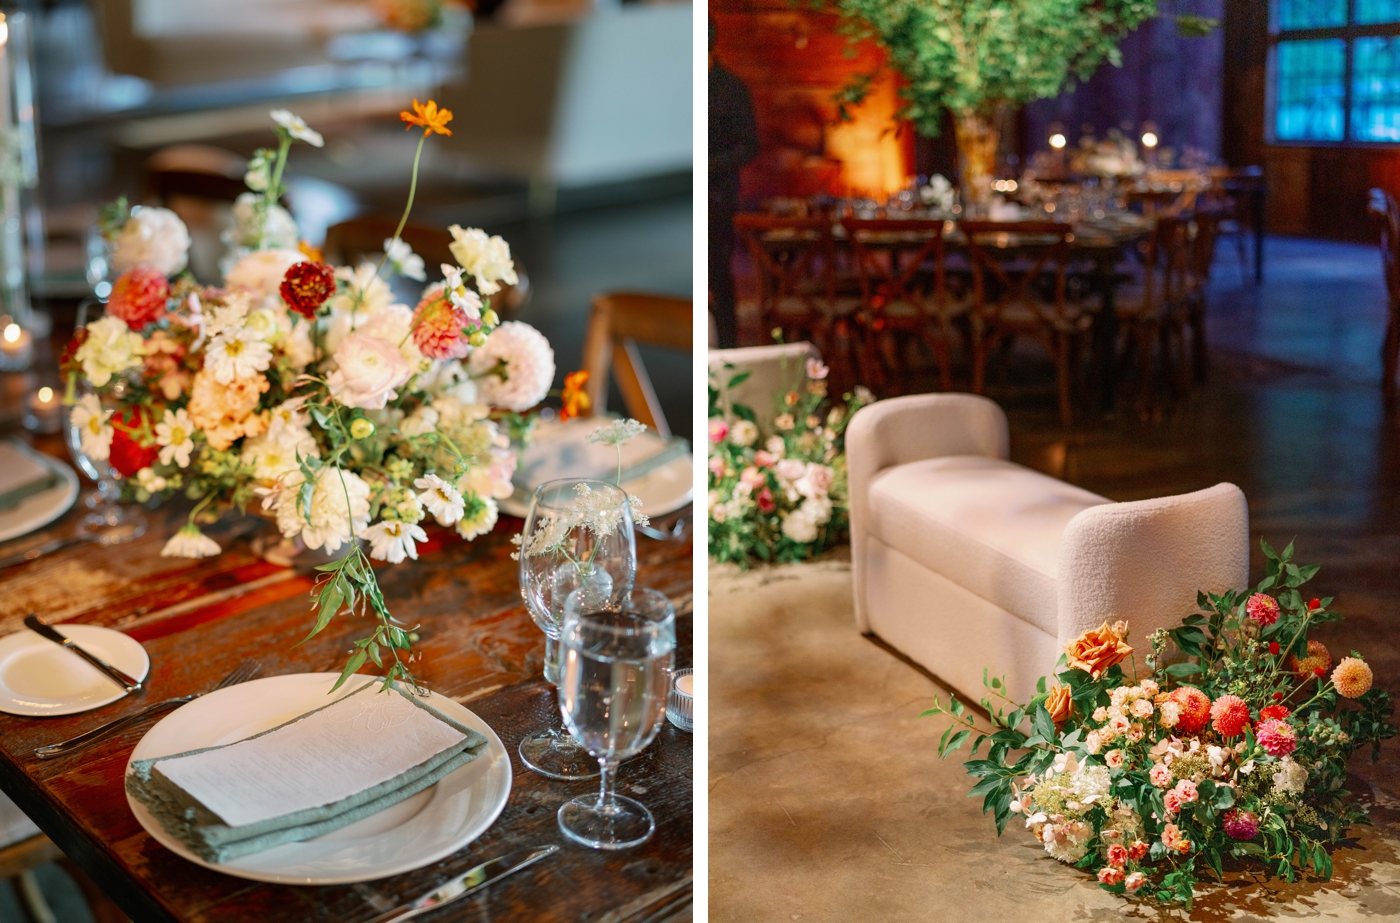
(225, 412)
(1097, 649)
(1059, 704)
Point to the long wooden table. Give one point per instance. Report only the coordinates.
(199, 619)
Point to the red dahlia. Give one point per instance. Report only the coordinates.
(306, 286)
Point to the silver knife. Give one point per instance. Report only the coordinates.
(45, 630)
(47, 548)
(468, 883)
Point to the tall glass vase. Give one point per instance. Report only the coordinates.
(978, 138)
(21, 217)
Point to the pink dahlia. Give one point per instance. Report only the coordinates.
(1230, 714)
(1277, 737)
(138, 296)
(1262, 608)
(438, 326)
(1240, 825)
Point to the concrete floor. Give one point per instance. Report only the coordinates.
(827, 799)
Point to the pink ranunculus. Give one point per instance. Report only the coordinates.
(368, 372)
(718, 430)
(1117, 854)
(438, 332)
(1110, 875)
(765, 501)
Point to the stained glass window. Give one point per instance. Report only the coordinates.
(1336, 71)
(1311, 14)
(1311, 90)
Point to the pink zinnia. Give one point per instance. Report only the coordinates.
(1276, 737)
(139, 296)
(718, 430)
(1231, 715)
(438, 326)
(1262, 608)
(1240, 825)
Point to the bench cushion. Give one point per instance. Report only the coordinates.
(990, 526)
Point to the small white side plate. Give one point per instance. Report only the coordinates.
(43, 508)
(38, 677)
(413, 833)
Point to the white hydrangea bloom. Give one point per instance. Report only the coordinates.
(154, 237)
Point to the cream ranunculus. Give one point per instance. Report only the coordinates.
(110, 349)
(514, 368)
(154, 237)
(393, 323)
(368, 372)
(483, 256)
(260, 274)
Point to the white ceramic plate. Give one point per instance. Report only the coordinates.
(43, 508)
(560, 450)
(38, 677)
(417, 831)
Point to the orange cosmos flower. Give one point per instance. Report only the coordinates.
(430, 118)
(576, 401)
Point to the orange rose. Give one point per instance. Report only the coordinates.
(1059, 704)
(1097, 649)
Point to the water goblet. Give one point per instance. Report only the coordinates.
(614, 677)
(578, 537)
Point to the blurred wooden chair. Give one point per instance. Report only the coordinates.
(617, 323)
(1152, 307)
(902, 267)
(1019, 272)
(352, 242)
(1385, 213)
(799, 289)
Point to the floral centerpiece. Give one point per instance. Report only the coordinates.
(782, 498)
(304, 391)
(1234, 749)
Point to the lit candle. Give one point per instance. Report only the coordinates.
(44, 414)
(686, 684)
(680, 702)
(16, 347)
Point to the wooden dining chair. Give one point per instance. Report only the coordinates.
(799, 290)
(361, 238)
(1152, 308)
(1385, 213)
(618, 322)
(1019, 273)
(904, 292)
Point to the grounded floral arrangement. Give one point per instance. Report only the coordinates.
(305, 391)
(786, 500)
(1238, 751)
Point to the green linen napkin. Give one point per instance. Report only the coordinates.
(22, 474)
(209, 837)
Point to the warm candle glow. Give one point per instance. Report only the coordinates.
(4, 29)
(46, 395)
(12, 333)
(1057, 140)
(686, 684)
(1149, 139)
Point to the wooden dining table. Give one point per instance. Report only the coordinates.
(199, 619)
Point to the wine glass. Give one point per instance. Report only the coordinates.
(578, 536)
(108, 522)
(616, 670)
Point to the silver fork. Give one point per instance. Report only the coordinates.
(246, 670)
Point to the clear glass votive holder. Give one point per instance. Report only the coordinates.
(680, 701)
(43, 411)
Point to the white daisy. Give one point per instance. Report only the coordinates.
(441, 499)
(478, 520)
(189, 542)
(173, 435)
(296, 127)
(237, 354)
(404, 260)
(90, 420)
(391, 539)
